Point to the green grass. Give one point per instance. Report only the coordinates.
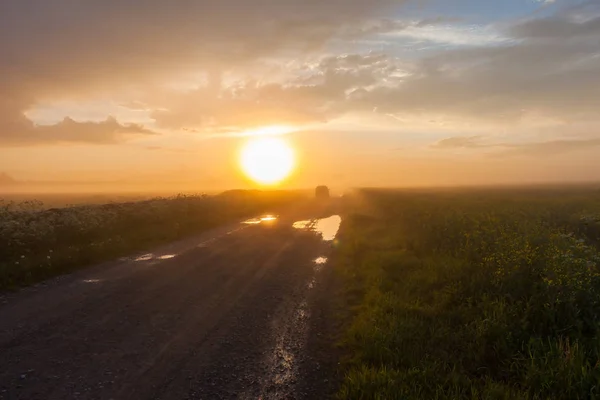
(472, 295)
(37, 243)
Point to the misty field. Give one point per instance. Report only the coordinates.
(472, 294)
(37, 243)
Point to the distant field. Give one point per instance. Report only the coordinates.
(479, 294)
(40, 240)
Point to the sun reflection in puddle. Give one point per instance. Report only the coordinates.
(319, 263)
(145, 257)
(264, 219)
(302, 224)
(152, 257)
(327, 227)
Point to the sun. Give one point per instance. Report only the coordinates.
(267, 160)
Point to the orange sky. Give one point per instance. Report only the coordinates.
(373, 92)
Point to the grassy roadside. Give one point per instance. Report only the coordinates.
(471, 296)
(38, 243)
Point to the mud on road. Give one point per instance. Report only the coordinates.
(238, 312)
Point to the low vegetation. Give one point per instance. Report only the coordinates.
(472, 295)
(37, 243)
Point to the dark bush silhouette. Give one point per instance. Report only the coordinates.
(322, 192)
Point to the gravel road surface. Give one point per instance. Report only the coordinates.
(236, 313)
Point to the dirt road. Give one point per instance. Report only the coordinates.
(234, 313)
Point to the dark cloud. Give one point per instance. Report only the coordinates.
(578, 21)
(557, 27)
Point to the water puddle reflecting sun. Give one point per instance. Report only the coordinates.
(319, 263)
(151, 257)
(327, 227)
(145, 257)
(264, 219)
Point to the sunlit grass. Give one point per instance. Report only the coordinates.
(472, 296)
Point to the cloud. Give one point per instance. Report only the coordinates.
(319, 93)
(544, 148)
(523, 79)
(544, 68)
(24, 132)
(523, 82)
(66, 43)
(451, 34)
(57, 49)
(469, 142)
(562, 27)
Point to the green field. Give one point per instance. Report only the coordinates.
(37, 242)
(479, 294)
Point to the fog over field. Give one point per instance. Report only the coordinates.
(300, 199)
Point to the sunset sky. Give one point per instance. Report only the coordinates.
(164, 94)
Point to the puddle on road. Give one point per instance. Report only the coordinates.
(281, 366)
(264, 219)
(303, 224)
(327, 227)
(145, 257)
(319, 263)
(153, 257)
